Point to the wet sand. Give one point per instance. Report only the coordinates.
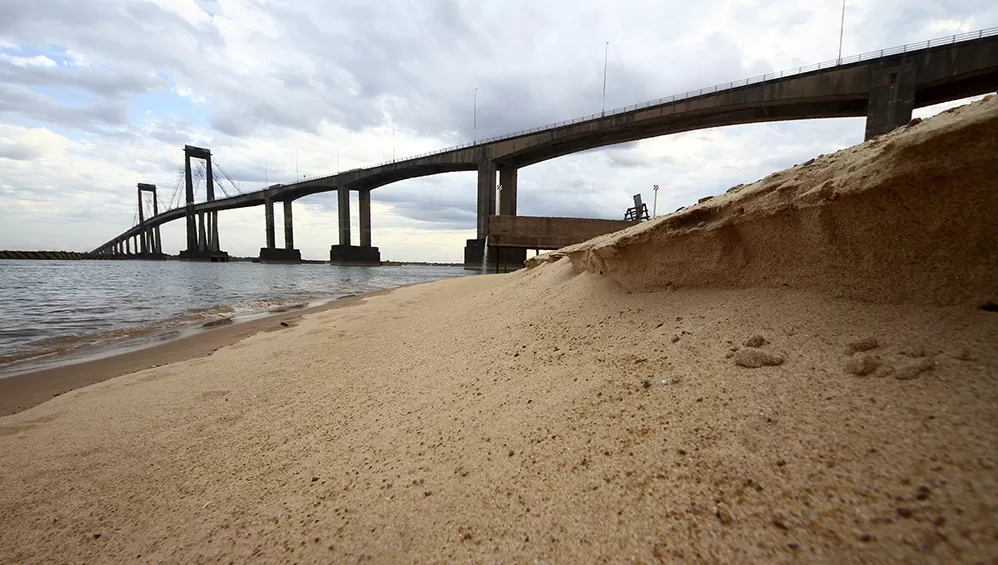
(20, 392)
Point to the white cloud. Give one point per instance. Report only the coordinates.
(32, 61)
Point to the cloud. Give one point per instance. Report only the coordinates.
(280, 90)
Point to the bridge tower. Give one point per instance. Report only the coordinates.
(149, 239)
(202, 227)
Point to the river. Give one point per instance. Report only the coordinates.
(56, 312)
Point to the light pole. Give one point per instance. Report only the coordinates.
(474, 127)
(654, 206)
(606, 50)
(393, 139)
(842, 29)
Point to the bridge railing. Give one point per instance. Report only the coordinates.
(870, 55)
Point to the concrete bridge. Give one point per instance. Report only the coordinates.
(883, 86)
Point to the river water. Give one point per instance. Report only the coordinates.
(55, 312)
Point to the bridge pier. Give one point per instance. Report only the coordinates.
(494, 259)
(202, 233)
(345, 253)
(507, 192)
(271, 253)
(891, 99)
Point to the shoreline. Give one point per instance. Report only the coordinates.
(22, 391)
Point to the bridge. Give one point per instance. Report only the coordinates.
(882, 86)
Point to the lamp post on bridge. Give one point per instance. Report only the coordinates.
(606, 51)
(842, 29)
(474, 126)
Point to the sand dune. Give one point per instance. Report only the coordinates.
(906, 217)
(758, 412)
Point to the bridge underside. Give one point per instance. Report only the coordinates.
(875, 105)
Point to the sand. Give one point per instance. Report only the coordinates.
(554, 414)
(25, 390)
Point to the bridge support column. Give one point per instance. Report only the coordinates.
(202, 244)
(268, 208)
(344, 253)
(343, 210)
(477, 253)
(486, 195)
(892, 98)
(289, 230)
(364, 199)
(192, 233)
(507, 194)
(271, 253)
(157, 242)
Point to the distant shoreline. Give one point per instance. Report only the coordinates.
(7, 254)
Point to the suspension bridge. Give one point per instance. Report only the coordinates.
(882, 86)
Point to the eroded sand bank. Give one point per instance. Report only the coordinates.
(547, 415)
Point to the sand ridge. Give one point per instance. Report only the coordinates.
(905, 217)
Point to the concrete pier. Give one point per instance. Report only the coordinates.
(498, 260)
(343, 210)
(354, 255)
(364, 198)
(507, 193)
(344, 253)
(486, 192)
(892, 99)
(272, 253)
(289, 230)
(268, 208)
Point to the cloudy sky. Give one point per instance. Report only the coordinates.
(97, 96)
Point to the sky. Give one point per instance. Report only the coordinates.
(98, 96)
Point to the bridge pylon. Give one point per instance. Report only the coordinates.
(150, 244)
(202, 227)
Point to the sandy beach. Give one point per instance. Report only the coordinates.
(696, 389)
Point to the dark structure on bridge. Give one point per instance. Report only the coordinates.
(883, 86)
